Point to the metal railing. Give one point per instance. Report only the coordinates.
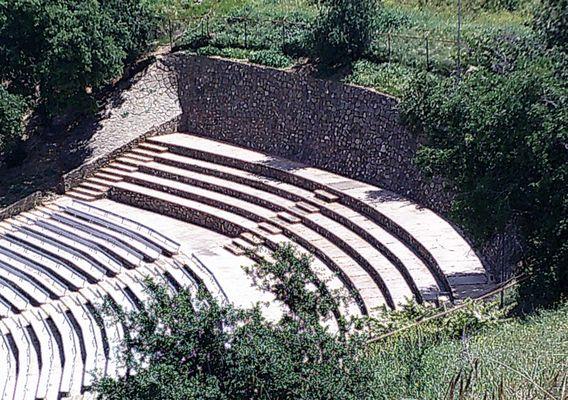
(423, 50)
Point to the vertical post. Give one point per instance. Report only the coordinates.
(207, 24)
(246, 33)
(170, 29)
(459, 40)
(283, 32)
(427, 55)
(389, 45)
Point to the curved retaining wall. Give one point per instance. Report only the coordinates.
(349, 130)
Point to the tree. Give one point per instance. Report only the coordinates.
(501, 140)
(60, 53)
(551, 20)
(192, 347)
(12, 108)
(186, 346)
(343, 31)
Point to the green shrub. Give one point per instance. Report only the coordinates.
(191, 347)
(387, 78)
(12, 108)
(239, 54)
(68, 48)
(270, 58)
(343, 30)
(551, 20)
(499, 139)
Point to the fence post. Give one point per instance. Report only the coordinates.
(246, 34)
(283, 32)
(207, 24)
(389, 45)
(427, 55)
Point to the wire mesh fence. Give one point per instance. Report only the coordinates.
(421, 51)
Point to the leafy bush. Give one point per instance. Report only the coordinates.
(500, 140)
(551, 20)
(191, 347)
(67, 49)
(270, 58)
(12, 108)
(388, 78)
(343, 31)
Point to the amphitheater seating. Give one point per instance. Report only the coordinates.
(57, 265)
(58, 262)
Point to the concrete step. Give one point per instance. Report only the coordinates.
(79, 196)
(135, 162)
(145, 152)
(307, 207)
(326, 196)
(97, 194)
(153, 147)
(289, 218)
(252, 239)
(124, 167)
(93, 185)
(271, 229)
(108, 177)
(138, 157)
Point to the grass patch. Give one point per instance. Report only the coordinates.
(422, 35)
(519, 360)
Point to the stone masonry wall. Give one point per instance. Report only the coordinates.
(349, 130)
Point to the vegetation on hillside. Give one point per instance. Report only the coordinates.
(57, 55)
(186, 346)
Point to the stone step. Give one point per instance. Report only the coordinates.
(244, 244)
(108, 177)
(124, 167)
(79, 196)
(145, 152)
(153, 147)
(307, 207)
(271, 229)
(139, 157)
(252, 239)
(130, 161)
(97, 194)
(234, 249)
(326, 196)
(94, 185)
(110, 170)
(289, 218)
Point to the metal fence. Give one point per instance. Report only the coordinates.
(422, 50)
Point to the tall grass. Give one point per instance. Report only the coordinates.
(519, 360)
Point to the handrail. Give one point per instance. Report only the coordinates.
(504, 286)
(202, 266)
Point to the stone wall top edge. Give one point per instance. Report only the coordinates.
(283, 73)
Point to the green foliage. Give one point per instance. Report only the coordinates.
(389, 78)
(500, 140)
(191, 347)
(515, 360)
(270, 58)
(67, 49)
(289, 276)
(343, 31)
(469, 318)
(12, 108)
(551, 20)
